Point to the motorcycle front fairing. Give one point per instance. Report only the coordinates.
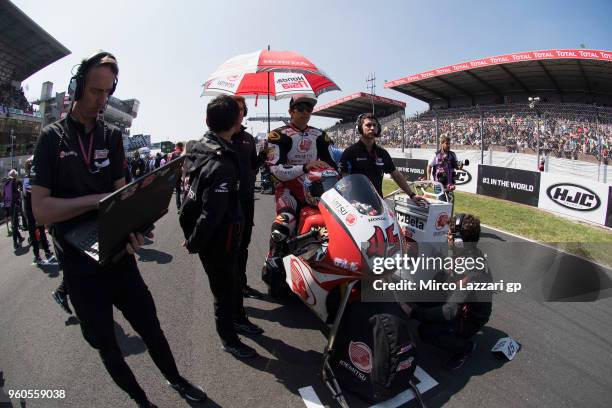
(360, 228)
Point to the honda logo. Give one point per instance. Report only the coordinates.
(573, 196)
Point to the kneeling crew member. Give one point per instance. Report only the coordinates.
(452, 325)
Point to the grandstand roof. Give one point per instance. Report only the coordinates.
(25, 48)
(563, 71)
(355, 104)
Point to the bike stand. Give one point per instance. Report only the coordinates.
(329, 378)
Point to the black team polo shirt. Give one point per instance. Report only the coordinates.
(356, 160)
(61, 167)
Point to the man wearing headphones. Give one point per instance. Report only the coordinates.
(367, 158)
(78, 161)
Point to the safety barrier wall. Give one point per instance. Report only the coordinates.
(565, 194)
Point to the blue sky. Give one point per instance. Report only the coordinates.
(166, 50)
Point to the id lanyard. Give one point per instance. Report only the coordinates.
(86, 157)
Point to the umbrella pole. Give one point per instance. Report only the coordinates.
(268, 96)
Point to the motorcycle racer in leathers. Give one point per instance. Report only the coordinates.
(294, 150)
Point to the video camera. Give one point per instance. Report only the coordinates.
(455, 227)
(465, 228)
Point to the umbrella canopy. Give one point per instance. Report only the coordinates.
(278, 84)
(267, 61)
(278, 74)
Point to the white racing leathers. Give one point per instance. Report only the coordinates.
(289, 149)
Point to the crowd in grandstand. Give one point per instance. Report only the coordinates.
(11, 97)
(561, 133)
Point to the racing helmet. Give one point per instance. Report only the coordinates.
(318, 181)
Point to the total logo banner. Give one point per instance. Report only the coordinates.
(583, 199)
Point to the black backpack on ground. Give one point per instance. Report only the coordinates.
(374, 355)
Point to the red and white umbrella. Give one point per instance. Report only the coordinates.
(279, 74)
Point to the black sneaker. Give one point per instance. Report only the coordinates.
(62, 299)
(249, 292)
(189, 391)
(38, 261)
(247, 328)
(458, 360)
(240, 350)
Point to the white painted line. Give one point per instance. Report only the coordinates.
(426, 383)
(310, 397)
(548, 246)
(509, 233)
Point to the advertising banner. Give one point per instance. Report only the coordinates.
(412, 169)
(609, 216)
(586, 200)
(521, 186)
(465, 179)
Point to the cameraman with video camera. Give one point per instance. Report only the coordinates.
(451, 325)
(442, 167)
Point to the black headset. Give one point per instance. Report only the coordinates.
(359, 124)
(84, 67)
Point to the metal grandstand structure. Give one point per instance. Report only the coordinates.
(25, 48)
(349, 107)
(562, 75)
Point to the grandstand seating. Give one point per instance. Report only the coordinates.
(576, 131)
(10, 97)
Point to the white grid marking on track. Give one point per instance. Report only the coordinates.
(310, 397)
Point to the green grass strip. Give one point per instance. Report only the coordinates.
(534, 224)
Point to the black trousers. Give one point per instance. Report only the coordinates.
(179, 191)
(453, 336)
(15, 212)
(94, 291)
(32, 228)
(248, 209)
(223, 279)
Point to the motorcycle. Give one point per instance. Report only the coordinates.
(332, 254)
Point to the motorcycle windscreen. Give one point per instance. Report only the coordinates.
(359, 191)
(360, 225)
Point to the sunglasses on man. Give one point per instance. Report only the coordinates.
(302, 107)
